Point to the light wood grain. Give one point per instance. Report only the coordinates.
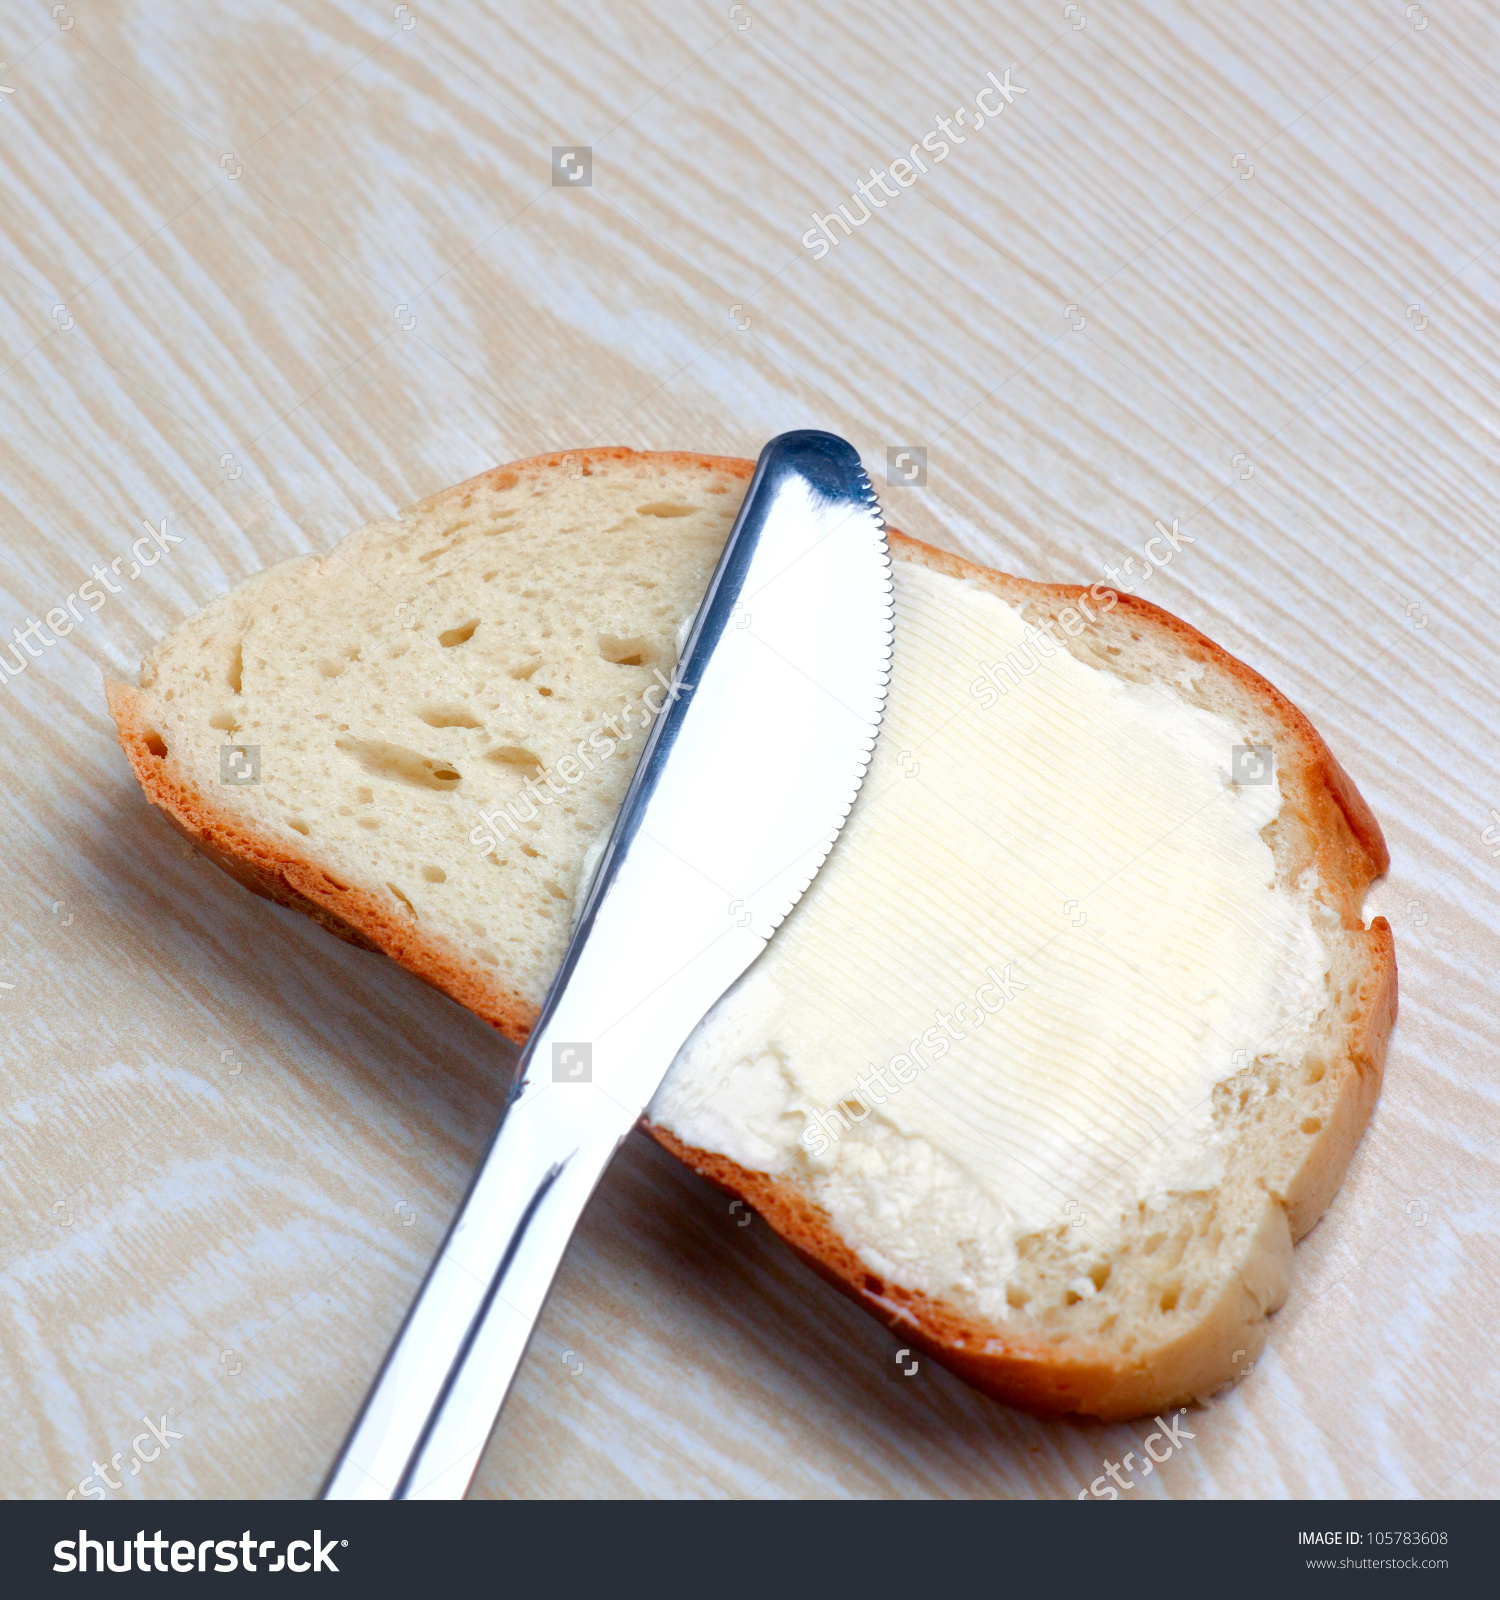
(230, 1144)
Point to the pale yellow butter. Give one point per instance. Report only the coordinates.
(1053, 923)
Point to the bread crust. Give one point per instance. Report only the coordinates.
(1047, 1378)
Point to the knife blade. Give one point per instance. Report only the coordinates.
(748, 774)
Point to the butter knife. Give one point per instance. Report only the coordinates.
(746, 779)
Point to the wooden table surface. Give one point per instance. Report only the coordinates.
(269, 272)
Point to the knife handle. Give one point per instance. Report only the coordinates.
(425, 1422)
(433, 1406)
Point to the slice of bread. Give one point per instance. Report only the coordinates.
(1090, 1207)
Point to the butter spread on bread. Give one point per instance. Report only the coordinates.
(1083, 843)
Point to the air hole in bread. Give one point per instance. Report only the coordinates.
(449, 716)
(524, 669)
(400, 765)
(1311, 1124)
(1169, 1297)
(431, 555)
(331, 669)
(225, 721)
(156, 744)
(236, 674)
(504, 480)
(489, 956)
(666, 508)
(434, 874)
(636, 652)
(300, 826)
(514, 755)
(410, 908)
(459, 635)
